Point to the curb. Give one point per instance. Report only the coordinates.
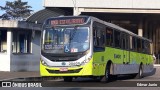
(32, 79)
(9, 79)
(157, 65)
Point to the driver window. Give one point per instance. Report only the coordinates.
(99, 36)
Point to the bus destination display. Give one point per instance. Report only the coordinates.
(67, 21)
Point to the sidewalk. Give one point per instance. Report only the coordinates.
(13, 75)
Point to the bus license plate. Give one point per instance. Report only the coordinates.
(63, 69)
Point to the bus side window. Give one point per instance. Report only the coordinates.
(127, 42)
(98, 40)
(98, 37)
(148, 47)
(139, 45)
(117, 39)
(109, 37)
(134, 43)
(94, 37)
(124, 41)
(131, 42)
(143, 46)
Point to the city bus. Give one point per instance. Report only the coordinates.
(85, 46)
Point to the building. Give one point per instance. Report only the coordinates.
(139, 16)
(19, 45)
(20, 42)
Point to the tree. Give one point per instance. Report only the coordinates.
(16, 10)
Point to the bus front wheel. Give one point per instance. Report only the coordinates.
(108, 76)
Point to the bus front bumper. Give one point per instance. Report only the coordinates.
(85, 70)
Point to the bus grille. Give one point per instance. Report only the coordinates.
(63, 58)
(69, 71)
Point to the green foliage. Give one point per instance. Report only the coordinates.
(16, 10)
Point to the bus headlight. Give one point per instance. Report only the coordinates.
(86, 60)
(44, 63)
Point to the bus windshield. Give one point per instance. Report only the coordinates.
(65, 40)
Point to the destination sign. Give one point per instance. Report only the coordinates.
(67, 21)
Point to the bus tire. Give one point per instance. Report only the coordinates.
(67, 79)
(140, 72)
(108, 76)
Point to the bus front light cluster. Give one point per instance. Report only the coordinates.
(86, 60)
(44, 63)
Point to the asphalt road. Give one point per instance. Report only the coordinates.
(123, 82)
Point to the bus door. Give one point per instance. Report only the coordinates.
(125, 47)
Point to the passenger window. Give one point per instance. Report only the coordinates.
(127, 42)
(124, 41)
(139, 45)
(134, 43)
(117, 39)
(147, 46)
(131, 43)
(150, 49)
(123, 38)
(144, 49)
(109, 37)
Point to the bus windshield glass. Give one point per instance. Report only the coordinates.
(65, 40)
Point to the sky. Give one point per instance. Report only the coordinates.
(35, 4)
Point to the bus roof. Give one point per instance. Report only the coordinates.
(118, 28)
(106, 23)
